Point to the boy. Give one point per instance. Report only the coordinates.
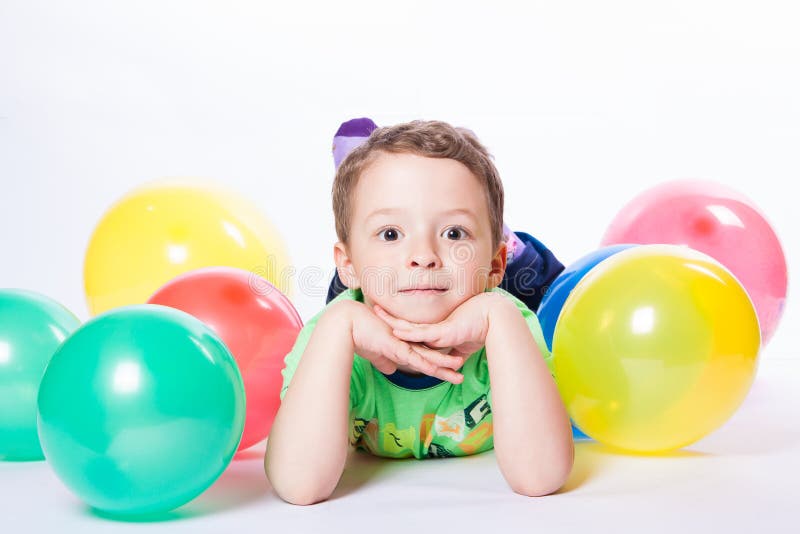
(400, 364)
(531, 267)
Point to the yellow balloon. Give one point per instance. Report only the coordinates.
(655, 348)
(167, 227)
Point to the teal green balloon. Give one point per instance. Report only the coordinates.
(141, 410)
(32, 326)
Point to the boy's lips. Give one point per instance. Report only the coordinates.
(423, 291)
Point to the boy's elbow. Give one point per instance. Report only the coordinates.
(296, 494)
(548, 481)
(537, 488)
(285, 485)
(302, 496)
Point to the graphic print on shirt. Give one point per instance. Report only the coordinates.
(476, 411)
(452, 426)
(398, 442)
(393, 442)
(469, 430)
(425, 427)
(365, 435)
(437, 451)
(476, 439)
(358, 427)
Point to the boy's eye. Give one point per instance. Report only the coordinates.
(456, 231)
(388, 232)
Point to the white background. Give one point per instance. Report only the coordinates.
(583, 104)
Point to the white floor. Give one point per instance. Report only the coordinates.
(742, 478)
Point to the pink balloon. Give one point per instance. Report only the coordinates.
(720, 222)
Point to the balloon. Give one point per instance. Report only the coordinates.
(258, 324)
(656, 347)
(561, 287)
(557, 294)
(719, 221)
(32, 326)
(168, 227)
(577, 434)
(140, 410)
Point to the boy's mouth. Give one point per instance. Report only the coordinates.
(423, 290)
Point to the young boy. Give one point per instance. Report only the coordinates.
(423, 355)
(531, 267)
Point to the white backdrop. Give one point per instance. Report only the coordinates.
(583, 104)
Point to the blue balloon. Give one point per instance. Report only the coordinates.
(577, 434)
(562, 286)
(557, 294)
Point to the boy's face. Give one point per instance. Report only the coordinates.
(423, 242)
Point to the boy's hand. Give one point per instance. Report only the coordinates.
(465, 329)
(373, 340)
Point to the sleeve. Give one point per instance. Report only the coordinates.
(292, 360)
(538, 336)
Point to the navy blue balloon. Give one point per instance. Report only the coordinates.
(562, 286)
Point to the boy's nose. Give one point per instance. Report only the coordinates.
(429, 264)
(427, 259)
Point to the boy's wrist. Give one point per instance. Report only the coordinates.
(497, 306)
(501, 312)
(335, 327)
(342, 314)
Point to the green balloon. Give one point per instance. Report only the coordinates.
(32, 326)
(141, 410)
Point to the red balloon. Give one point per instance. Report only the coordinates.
(257, 323)
(720, 222)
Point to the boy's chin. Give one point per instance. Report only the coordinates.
(426, 314)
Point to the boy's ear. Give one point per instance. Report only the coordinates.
(498, 266)
(344, 266)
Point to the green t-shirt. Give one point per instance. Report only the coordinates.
(402, 415)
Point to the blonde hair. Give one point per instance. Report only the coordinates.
(434, 139)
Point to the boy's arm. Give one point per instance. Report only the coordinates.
(309, 439)
(532, 432)
(308, 442)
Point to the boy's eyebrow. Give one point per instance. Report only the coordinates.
(382, 211)
(454, 211)
(461, 211)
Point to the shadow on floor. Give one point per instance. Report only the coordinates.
(241, 484)
(360, 468)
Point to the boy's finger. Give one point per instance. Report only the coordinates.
(413, 358)
(426, 333)
(456, 352)
(395, 322)
(417, 361)
(449, 375)
(423, 365)
(384, 365)
(401, 355)
(441, 360)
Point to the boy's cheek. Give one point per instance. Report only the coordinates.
(379, 286)
(472, 282)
